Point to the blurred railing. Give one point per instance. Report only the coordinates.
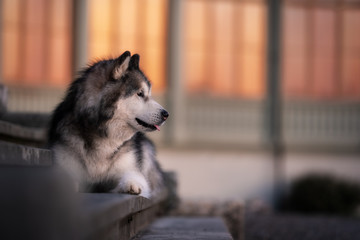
(32, 99)
(306, 124)
(322, 124)
(229, 122)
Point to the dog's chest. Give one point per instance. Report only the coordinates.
(111, 162)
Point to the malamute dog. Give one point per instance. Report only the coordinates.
(96, 132)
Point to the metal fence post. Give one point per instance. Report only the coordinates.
(175, 94)
(274, 106)
(80, 34)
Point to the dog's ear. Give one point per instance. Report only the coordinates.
(134, 62)
(121, 65)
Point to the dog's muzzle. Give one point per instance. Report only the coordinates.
(163, 116)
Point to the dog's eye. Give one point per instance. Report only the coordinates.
(140, 94)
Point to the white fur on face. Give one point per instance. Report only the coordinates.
(144, 108)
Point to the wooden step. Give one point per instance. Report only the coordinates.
(119, 216)
(23, 134)
(12, 154)
(39, 203)
(182, 228)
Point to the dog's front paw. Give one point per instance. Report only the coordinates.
(132, 188)
(133, 183)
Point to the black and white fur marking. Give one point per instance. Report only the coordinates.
(97, 131)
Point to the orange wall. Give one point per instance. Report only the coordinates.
(321, 52)
(225, 48)
(224, 44)
(36, 42)
(138, 26)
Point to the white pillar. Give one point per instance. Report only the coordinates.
(176, 93)
(1, 42)
(80, 34)
(274, 98)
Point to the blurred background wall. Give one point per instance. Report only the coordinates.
(221, 96)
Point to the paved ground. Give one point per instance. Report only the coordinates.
(294, 227)
(243, 176)
(239, 175)
(181, 228)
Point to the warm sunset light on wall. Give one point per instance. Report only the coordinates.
(137, 26)
(224, 44)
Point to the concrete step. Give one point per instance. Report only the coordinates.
(19, 155)
(39, 203)
(27, 119)
(22, 127)
(27, 135)
(119, 216)
(182, 228)
(39, 199)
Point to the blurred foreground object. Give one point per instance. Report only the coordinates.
(39, 202)
(324, 194)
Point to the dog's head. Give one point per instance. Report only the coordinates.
(117, 94)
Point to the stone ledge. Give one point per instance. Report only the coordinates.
(17, 133)
(38, 202)
(120, 216)
(18, 155)
(41, 195)
(27, 119)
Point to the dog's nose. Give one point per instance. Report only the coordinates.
(164, 114)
